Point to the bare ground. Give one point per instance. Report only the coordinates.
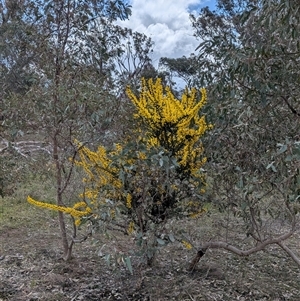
(31, 269)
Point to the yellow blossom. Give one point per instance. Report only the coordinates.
(142, 156)
(172, 123)
(79, 205)
(74, 211)
(77, 222)
(187, 244)
(198, 213)
(130, 228)
(112, 213)
(129, 201)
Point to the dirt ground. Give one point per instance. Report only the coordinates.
(32, 269)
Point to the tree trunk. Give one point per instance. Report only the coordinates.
(66, 248)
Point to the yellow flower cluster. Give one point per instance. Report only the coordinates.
(198, 213)
(187, 244)
(130, 227)
(78, 211)
(129, 201)
(195, 208)
(172, 123)
(97, 165)
(141, 156)
(102, 173)
(113, 213)
(91, 194)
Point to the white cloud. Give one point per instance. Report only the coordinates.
(167, 23)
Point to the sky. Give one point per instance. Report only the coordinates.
(167, 23)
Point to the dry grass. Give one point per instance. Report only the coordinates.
(31, 267)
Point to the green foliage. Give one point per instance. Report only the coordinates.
(250, 50)
(143, 194)
(65, 69)
(185, 68)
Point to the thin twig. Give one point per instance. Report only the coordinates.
(290, 106)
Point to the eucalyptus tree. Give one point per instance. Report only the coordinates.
(249, 59)
(75, 49)
(16, 54)
(184, 68)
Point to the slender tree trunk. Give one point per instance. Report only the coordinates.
(61, 218)
(62, 37)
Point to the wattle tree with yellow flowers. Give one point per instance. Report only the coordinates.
(155, 175)
(173, 124)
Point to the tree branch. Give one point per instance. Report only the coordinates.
(261, 246)
(67, 181)
(290, 252)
